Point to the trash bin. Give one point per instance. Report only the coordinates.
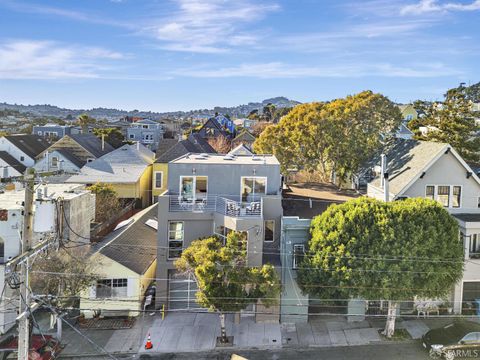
(477, 306)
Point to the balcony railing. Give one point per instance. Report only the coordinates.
(230, 206)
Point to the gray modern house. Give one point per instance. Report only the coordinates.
(148, 132)
(215, 194)
(54, 131)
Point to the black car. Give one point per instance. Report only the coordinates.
(458, 339)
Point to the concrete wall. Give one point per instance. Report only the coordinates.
(225, 179)
(80, 212)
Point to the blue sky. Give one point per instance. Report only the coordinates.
(165, 55)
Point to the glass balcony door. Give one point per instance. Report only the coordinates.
(252, 188)
(193, 188)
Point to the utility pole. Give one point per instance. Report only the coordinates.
(27, 235)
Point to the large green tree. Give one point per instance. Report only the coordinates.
(225, 281)
(382, 251)
(452, 121)
(338, 135)
(107, 203)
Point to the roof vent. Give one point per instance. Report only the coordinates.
(152, 223)
(205, 155)
(229, 157)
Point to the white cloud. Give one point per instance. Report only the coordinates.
(210, 26)
(28, 59)
(282, 70)
(433, 6)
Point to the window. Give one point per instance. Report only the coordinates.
(443, 195)
(193, 187)
(252, 187)
(54, 161)
(39, 133)
(269, 232)
(22, 158)
(210, 131)
(430, 192)
(471, 338)
(457, 193)
(158, 179)
(222, 232)
(131, 136)
(111, 288)
(409, 117)
(175, 239)
(474, 245)
(298, 254)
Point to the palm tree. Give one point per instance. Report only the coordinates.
(84, 120)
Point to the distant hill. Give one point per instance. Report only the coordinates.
(105, 113)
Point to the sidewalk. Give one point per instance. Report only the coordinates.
(190, 332)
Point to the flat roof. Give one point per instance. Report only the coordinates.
(219, 159)
(12, 199)
(307, 200)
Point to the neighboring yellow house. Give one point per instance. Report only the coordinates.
(128, 169)
(408, 112)
(127, 263)
(193, 144)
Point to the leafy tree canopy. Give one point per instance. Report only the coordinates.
(112, 135)
(382, 251)
(452, 121)
(338, 135)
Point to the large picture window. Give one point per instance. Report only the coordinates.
(175, 239)
(252, 187)
(112, 288)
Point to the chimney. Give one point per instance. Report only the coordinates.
(138, 145)
(47, 160)
(103, 142)
(384, 178)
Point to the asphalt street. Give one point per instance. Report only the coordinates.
(397, 351)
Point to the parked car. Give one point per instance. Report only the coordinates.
(458, 339)
(41, 348)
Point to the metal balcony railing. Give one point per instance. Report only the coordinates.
(229, 206)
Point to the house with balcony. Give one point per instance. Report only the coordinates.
(193, 144)
(213, 194)
(148, 132)
(436, 171)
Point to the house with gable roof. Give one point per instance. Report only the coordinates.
(71, 153)
(128, 169)
(23, 148)
(436, 171)
(128, 261)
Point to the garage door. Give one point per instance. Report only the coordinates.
(181, 292)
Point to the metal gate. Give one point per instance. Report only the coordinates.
(181, 292)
